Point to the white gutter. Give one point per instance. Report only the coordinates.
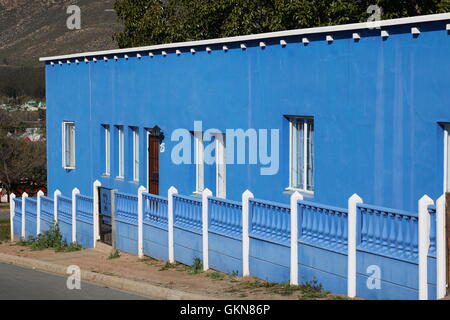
(254, 37)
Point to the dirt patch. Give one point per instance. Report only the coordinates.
(173, 276)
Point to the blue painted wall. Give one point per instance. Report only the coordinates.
(376, 105)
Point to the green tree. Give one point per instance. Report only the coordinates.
(149, 22)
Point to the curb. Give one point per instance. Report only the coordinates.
(139, 288)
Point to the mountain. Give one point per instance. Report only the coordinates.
(30, 29)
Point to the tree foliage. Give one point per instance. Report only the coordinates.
(149, 22)
(22, 162)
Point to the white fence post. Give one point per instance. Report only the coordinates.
(441, 278)
(295, 198)
(40, 194)
(141, 190)
(170, 217)
(56, 194)
(24, 200)
(75, 192)
(96, 214)
(246, 196)
(12, 207)
(352, 221)
(205, 227)
(424, 245)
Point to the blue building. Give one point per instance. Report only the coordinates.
(328, 111)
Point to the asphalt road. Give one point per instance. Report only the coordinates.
(17, 283)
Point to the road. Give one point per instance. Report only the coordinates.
(17, 283)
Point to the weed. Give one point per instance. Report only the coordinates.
(216, 275)
(196, 267)
(167, 266)
(50, 239)
(115, 254)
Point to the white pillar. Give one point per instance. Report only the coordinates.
(96, 214)
(295, 198)
(56, 194)
(75, 192)
(40, 194)
(205, 227)
(424, 245)
(141, 190)
(441, 249)
(12, 207)
(24, 200)
(246, 196)
(351, 269)
(170, 219)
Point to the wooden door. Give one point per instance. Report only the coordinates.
(153, 164)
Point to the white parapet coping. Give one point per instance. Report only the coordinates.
(258, 37)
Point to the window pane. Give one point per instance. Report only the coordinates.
(299, 153)
(107, 151)
(69, 152)
(310, 163)
(136, 154)
(120, 152)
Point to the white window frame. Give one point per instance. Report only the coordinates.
(136, 163)
(221, 166)
(121, 152)
(72, 154)
(199, 149)
(446, 157)
(107, 129)
(293, 185)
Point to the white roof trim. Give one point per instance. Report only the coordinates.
(297, 32)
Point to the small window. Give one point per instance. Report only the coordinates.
(107, 150)
(136, 154)
(121, 153)
(199, 162)
(302, 154)
(68, 145)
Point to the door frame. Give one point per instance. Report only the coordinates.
(446, 156)
(160, 136)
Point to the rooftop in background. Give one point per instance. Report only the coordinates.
(271, 35)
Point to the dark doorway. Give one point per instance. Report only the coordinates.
(105, 215)
(153, 164)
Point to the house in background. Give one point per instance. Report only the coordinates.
(345, 110)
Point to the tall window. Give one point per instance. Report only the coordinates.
(107, 150)
(136, 154)
(121, 153)
(302, 154)
(221, 167)
(68, 145)
(199, 162)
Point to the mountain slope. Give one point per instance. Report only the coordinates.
(30, 29)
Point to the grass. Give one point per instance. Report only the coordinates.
(50, 239)
(5, 234)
